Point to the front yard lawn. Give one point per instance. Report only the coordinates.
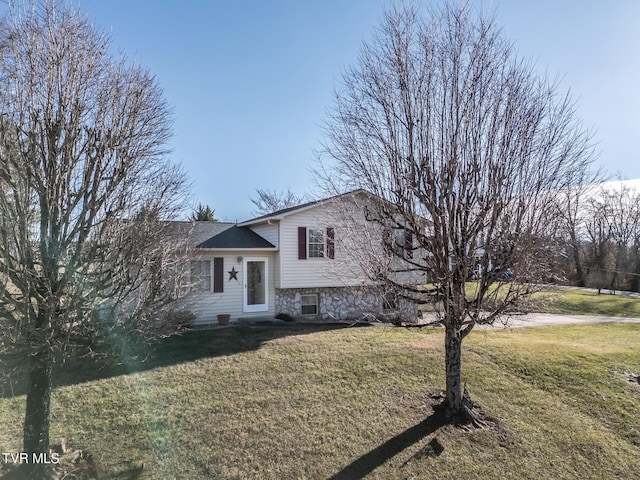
(293, 402)
(586, 302)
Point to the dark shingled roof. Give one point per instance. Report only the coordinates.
(202, 231)
(236, 237)
(194, 232)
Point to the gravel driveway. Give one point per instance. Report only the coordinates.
(541, 320)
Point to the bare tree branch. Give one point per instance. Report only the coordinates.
(269, 201)
(84, 188)
(467, 147)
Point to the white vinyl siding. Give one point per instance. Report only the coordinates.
(313, 272)
(267, 231)
(207, 305)
(271, 233)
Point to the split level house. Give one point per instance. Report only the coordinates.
(294, 263)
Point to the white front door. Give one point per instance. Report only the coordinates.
(256, 284)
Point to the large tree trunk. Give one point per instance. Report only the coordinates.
(574, 244)
(36, 421)
(635, 278)
(580, 275)
(453, 368)
(457, 407)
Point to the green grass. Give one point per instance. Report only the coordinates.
(566, 300)
(295, 403)
(586, 302)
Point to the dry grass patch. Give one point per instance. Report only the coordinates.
(292, 403)
(585, 302)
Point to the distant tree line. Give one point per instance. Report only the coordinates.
(599, 236)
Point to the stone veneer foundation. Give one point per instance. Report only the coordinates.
(342, 303)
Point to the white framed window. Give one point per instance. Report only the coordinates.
(315, 243)
(309, 304)
(201, 275)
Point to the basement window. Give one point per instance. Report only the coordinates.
(309, 304)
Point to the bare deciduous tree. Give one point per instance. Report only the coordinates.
(599, 249)
(612, 222)
(467, 147)
(571, 211)
(269, 201)
(84, 187)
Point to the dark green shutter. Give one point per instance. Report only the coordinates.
(302, 243)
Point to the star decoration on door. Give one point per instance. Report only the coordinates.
(233, 274)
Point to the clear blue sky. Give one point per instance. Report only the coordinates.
(250, 81)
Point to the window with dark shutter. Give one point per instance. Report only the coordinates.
(302, 243)
(218, 275)
(331, 235)
(201, 275)
(315, 243)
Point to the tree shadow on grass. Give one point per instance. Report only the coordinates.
(187, 347)
(366, 464)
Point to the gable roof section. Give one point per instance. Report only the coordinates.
(202, 231)
(280, 214)
(236, 238)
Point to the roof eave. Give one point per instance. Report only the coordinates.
(232, 249)
(300, 208)
(257, 221)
